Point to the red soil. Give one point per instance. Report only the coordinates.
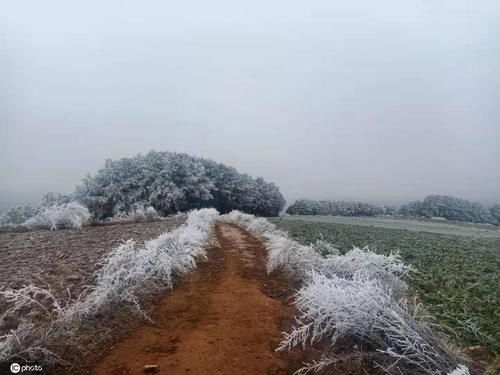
(225, 318)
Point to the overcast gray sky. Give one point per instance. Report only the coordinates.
(383, 101)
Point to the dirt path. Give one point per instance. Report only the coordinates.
(225, 318)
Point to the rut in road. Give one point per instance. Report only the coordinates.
(224, 318)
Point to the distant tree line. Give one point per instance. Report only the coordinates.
(452, 208)
(338, 208)
(442, 206)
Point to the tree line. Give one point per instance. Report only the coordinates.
(338, 208)
(442, 206)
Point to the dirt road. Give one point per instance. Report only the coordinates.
(226, 318)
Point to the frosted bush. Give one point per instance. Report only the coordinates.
(245, 220)
(324, 248)
(364, 310)
(359, 296)
(129, 266)
(143, 214)
(387, 269)
(26, 342)
(126, 273)
(283, 252)
(67, 215)
(261, 225)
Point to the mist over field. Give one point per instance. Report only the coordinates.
(299, 187)
(383, 102)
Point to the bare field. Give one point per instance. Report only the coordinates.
(65, 260)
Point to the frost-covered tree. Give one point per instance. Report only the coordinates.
(17, 215)
(304, 207)
(52, 199)
(412, 208)
(450, 208)
(390, 210)
(172, 182)
(336, 208)
(495, 212)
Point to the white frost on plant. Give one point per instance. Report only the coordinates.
(363, 309)
(284, 252)
(324, 248)
(387, 269)
(460, 370)
(127, 272)
(143, 214)
(128, 267)
(66, 215)
(358, 295)
(26, 342)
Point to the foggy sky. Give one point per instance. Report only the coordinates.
(383, 101)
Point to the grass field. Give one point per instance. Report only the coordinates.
(457, 278)
(413, 224)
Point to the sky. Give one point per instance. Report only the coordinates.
(381, 101)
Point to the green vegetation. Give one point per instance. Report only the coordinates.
(457, 278)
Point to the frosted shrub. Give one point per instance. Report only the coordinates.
(357, 296)
(26, 342)
(387, 269)
(143, 214)
(244, 220)
(261, 225)
(126, 273)
(324, 248)
(364, 310)
(67, 215)
(129, 266)
(282, 252)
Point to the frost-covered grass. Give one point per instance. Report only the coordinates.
(127, 274)
(366, 311)
(127, 268)
(457, 276)
(359, 296)
(66, 215)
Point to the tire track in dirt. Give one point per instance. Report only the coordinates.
(224, 318)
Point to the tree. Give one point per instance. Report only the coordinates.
(337, 208)
(495, 212)
(172, 182)
(450, 208)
